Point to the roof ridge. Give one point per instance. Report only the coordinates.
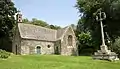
(37, 26)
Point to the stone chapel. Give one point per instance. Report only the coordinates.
(31, 39)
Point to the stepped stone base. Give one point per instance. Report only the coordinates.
(105, 54)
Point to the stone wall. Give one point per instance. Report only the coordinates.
(16, 43)
(65, 48)
(29, 47)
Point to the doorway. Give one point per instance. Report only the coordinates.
(38, 50)
(16, 49)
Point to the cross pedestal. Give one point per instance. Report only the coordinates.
(104, 49)
(104, 53)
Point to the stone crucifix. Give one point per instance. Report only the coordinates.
(100, 17)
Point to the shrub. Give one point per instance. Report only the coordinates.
(116, 46)
(4, 54)
(86, 52)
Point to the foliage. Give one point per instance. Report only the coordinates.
(73, 26)
(116, 46)
(85, 38)
(54, 27)
(85, 43)
(86, 52)
(111, 7)
(25, 20)
(89, 9)
(41, 23)
(7, 20)
(4, 54)
(56, 62)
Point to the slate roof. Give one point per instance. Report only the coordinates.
(29, 31)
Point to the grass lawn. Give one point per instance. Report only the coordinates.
(56, 62)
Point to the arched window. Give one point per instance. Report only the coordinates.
(70, 42)
(38, 50)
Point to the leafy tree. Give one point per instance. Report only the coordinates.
(39, 22)
(73, 26)
(7, 20)
(116, 46)
(85, 41)
(111, 7)
(25, 20)
(85, 38)
(54, 27)
(89, 8)
(7, 23)
(57, 27)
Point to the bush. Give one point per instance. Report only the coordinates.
(4, 54)
(86, 52)
(116, 46)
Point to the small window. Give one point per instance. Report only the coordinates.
(48, 46)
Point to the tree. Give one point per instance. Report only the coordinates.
(85, 38)
(25, 20)
(39, 22)
(54, 27)
(116, 46)
(44, 24)
(85, 42)
(7, 23)
(7, 20)
(89, 8)
(111, 7)
(73, 26)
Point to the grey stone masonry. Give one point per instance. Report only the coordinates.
(32, 39)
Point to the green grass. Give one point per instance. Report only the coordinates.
(56, 62)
